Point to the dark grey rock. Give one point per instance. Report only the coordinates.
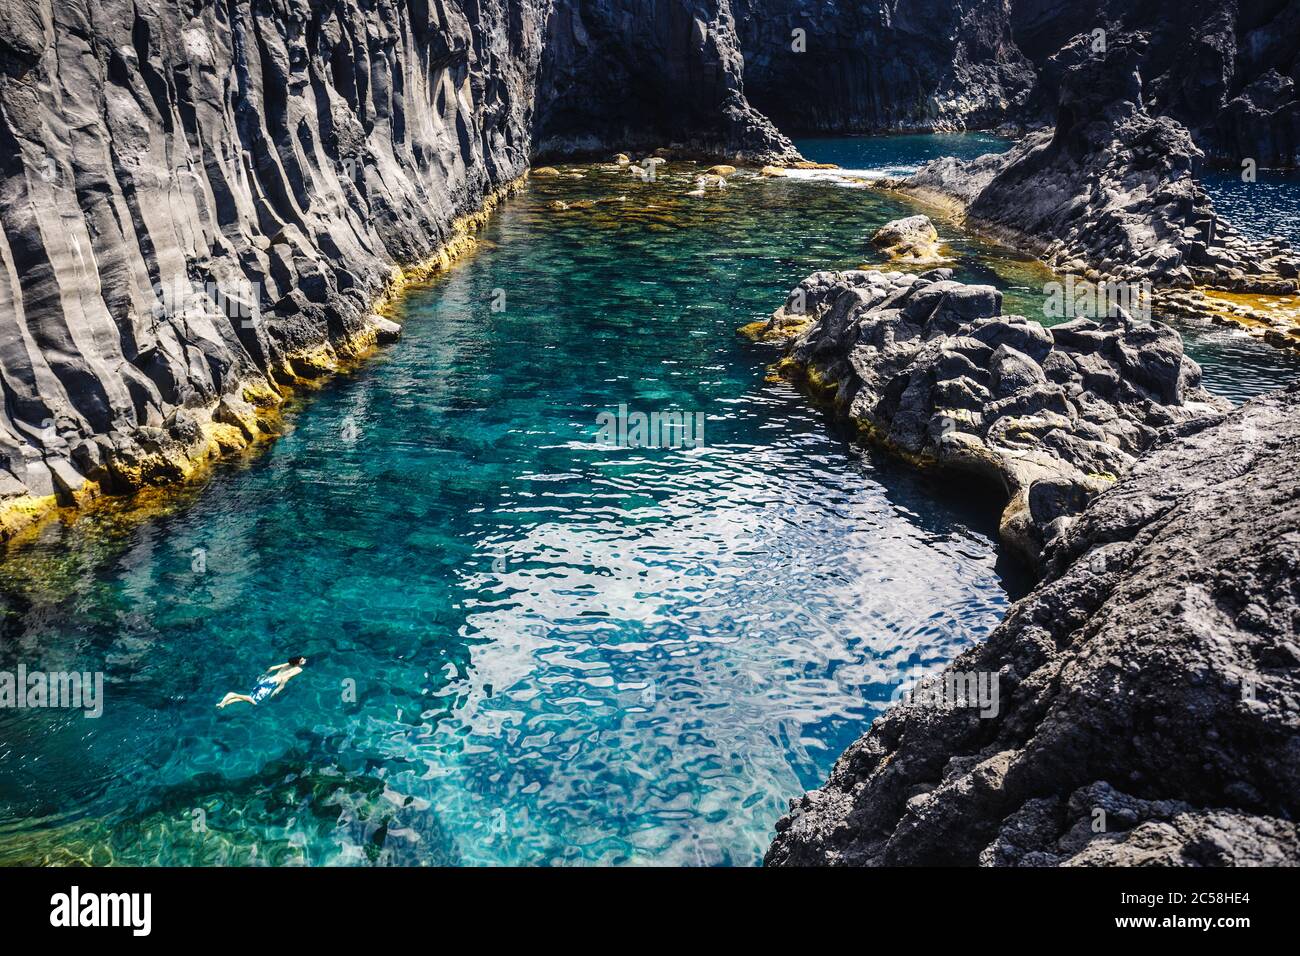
(1110, 187)
(875, 66)
(931, 369)
(1149, 687)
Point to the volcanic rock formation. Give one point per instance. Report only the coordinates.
(930, 368)
(1147, 689)
(1109, 189)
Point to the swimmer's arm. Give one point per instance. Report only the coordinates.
(277, 667)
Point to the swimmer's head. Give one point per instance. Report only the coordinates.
(297, 661)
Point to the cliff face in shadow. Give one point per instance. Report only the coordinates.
(866, 67)
(201, 202)
(1226, 69)
(632, 74)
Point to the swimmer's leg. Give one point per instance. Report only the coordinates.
(232, 697)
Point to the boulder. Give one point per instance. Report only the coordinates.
(913, 239)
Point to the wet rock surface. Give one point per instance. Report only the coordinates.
(1110, 190)
(930, 368)
(1147, 689)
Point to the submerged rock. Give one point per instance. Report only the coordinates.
(1145, 708)
(930, 368)
(913, 238)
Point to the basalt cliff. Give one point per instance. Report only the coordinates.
(203, 204)
(1225, 69)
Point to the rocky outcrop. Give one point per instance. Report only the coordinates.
(877, 66)
(203, 204)
(931, 369)
(1146, 707)
(1224, 69)
(1110, 190)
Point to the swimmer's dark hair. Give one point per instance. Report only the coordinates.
(297, 661)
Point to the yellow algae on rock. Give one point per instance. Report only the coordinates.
(913, 239)
(176, 456)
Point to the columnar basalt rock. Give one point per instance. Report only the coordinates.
(1146, 708)
(931, 369)
(203, 203)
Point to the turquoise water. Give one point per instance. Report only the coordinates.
(525, 647)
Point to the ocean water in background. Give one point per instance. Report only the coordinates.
(526, 646)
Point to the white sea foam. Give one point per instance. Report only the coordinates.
(849, 178)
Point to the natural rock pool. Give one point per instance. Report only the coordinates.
(525, 646)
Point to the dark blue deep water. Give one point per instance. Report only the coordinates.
(525, 646)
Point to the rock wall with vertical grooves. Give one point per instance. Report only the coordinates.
(202, 201)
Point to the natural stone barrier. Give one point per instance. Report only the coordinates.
(931, 369)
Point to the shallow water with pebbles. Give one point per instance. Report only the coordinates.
(525, 645)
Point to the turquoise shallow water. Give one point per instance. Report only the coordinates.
(525, 646)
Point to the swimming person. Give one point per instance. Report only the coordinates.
(269, 684)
